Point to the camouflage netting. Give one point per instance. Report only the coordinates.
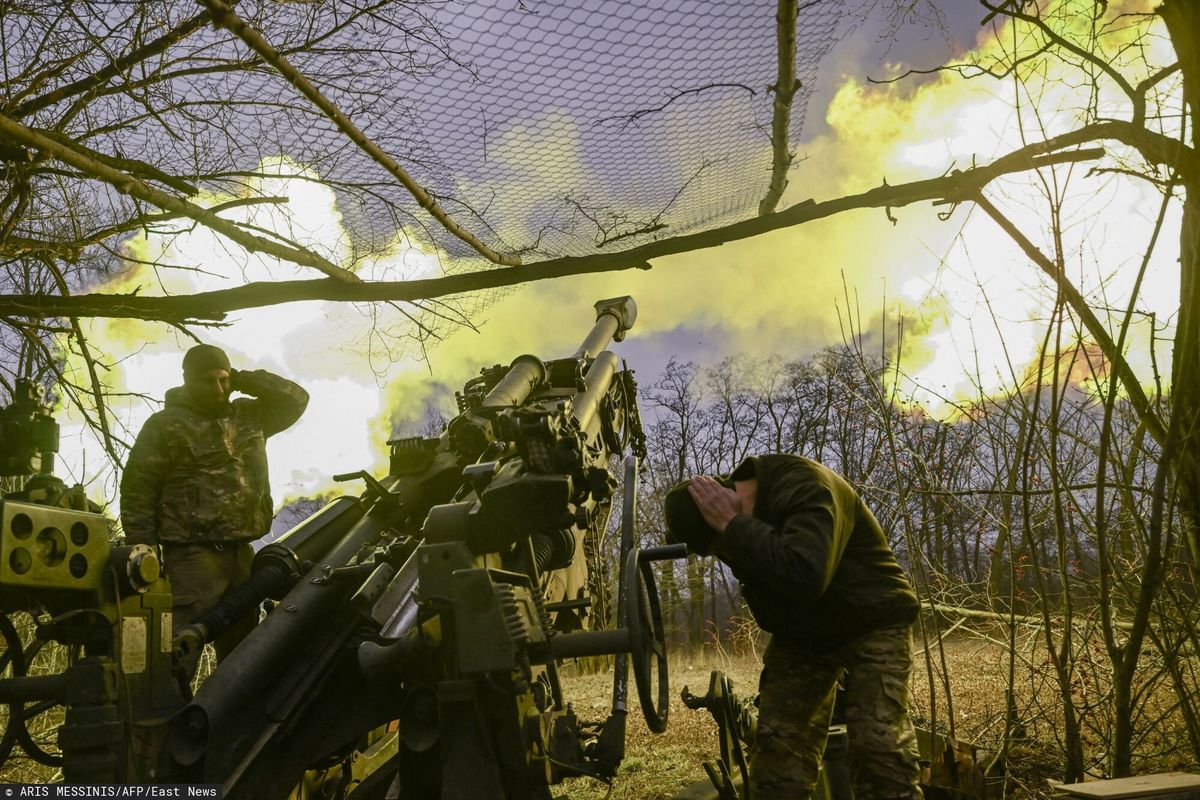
(596, 125)
(546, 129)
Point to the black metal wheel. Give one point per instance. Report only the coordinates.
(629, 504)
(12, 665)
(17, 661)
(31, 711)
(647, 641)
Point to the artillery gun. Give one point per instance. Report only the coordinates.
(416, 632)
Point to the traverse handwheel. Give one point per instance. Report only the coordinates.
(647, 642)
(12, 664)
(16, 661)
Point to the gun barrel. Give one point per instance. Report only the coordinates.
(276, 567)
(313, 537)
(237, 693)
(614, 317)
(598, 379)
(524, 375)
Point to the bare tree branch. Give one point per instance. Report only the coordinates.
(224, 16)
(1053, 36)
(785, 88)
(128, 184)
(97, 389)
(634, 116)
(216, 304)
(100, 77)
(1083, 310)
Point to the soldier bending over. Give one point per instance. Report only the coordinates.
(196, 480)
(818, 574)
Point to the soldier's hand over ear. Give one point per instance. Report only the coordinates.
(717, 504)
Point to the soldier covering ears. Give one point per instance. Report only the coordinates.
(196, 483)
(817, 573)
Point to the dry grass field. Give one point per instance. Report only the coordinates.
(977, 663)
(658, 766)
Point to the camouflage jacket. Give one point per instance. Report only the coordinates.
(196, 476)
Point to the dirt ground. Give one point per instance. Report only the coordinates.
(974, 711)
(657, 766)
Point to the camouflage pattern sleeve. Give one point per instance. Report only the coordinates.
(142, 483)
(280, 401)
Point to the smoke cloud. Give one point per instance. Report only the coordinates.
(974, 308)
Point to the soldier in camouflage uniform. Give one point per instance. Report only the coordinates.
(196, 480)
(817, 572)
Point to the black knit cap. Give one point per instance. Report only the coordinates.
(685, 523)
(205, 357)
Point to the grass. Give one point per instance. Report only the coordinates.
(657, 766)
(976, 662)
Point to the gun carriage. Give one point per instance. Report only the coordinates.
(416, 632)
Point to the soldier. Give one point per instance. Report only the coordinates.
(196, 481)
(817, 573)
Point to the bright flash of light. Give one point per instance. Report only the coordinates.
(317, 344)
(983, 311)
(975, 308)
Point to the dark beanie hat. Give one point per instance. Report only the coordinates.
(205, 357)
(685, 523)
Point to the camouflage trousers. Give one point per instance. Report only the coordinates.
(796, 696)
(200, 575)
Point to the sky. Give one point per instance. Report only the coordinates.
(974, 308)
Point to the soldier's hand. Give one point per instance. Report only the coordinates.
(717, 504)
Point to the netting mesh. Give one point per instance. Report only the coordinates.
(546, 129)
(602, 123)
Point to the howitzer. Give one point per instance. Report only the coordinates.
(416, 632)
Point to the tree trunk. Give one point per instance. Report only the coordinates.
(1183, 22)
(695, 570)
(669, 596)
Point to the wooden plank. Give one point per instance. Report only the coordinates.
(1175, 785)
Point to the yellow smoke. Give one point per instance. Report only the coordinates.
(999, 305)
(985, 305)
(320, 345)
(975, 308)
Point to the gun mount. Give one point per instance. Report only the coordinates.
(413, 646)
